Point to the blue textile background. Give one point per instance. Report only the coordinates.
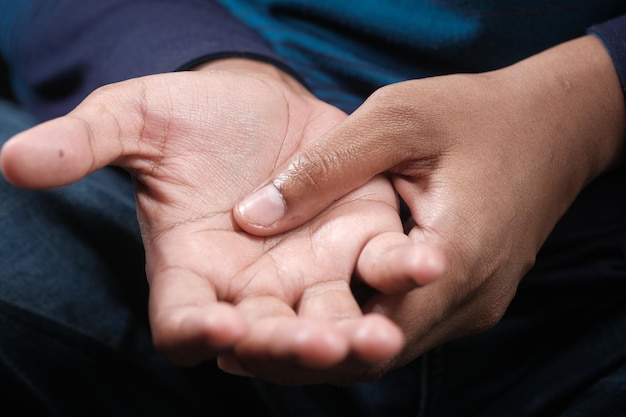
(361, 45)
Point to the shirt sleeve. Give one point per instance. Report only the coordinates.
(58, 51)
(613, 35)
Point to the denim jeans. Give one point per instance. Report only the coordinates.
(75, 339)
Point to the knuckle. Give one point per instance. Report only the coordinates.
(311, 170)
(390, 104)
(492, 308)
(406, 118)
(490, 317)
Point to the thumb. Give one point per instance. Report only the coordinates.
(63, 150)
(341, 161)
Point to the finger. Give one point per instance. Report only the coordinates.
(392, 263)
(63, 150)
(229, 363)
(416, 312)
(328, 340)
(189, 324)
(362, 361)
(330, 300)
(294, 350)
(341, 161)
(370, 338)
(373, 338)
(276, 334)
(436, 307)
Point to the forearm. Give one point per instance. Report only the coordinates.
(59, 51)
(579, 99)
(567, 110)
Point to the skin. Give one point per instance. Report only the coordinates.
(487, 163)
(279, 307)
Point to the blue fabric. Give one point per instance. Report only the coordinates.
(346, 49)
(58, 51)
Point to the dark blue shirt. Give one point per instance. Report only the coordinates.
(60, 50)
(357, 46)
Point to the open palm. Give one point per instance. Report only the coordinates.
(196, 143)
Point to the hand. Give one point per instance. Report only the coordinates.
(487, 164)
(195, 143)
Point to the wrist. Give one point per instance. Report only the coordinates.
(237, 64)
(578, 100)
(250, 66)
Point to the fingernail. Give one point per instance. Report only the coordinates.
(264, 207)
(231, 366)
